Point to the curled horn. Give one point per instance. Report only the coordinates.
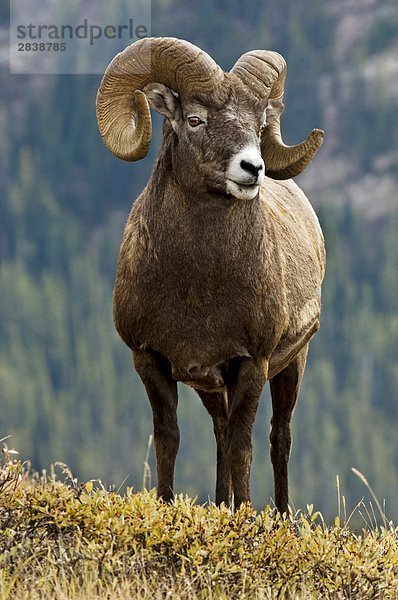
(123, 113)
(264, 72)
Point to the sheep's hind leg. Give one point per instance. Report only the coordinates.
(155, 372)
(245, 385)
(217, 406)
(285, 387)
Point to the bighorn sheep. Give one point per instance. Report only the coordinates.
(220, 269)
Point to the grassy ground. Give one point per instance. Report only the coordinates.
(61, 539)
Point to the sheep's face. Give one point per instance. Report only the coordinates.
(216, 141)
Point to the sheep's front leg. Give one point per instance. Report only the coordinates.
(285, 387)
(244, 391)
(217, 406)
(155, 372)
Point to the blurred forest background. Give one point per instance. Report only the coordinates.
(68, 390)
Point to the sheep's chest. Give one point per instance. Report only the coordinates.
(198, 293)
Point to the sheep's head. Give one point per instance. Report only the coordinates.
(215, 139)
(226, 125)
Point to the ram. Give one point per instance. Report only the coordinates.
(220, 269)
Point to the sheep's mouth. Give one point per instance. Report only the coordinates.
(245, 186)
(243, 191)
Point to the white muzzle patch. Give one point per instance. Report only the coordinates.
(245, 173)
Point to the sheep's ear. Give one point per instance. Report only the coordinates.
(164, 101)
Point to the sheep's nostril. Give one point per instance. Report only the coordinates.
(250, 168)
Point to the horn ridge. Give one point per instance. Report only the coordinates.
(296, 158)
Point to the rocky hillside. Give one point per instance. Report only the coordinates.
(358, 95)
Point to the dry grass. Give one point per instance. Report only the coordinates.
(60, 539)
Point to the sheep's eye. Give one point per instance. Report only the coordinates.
(194, 121)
